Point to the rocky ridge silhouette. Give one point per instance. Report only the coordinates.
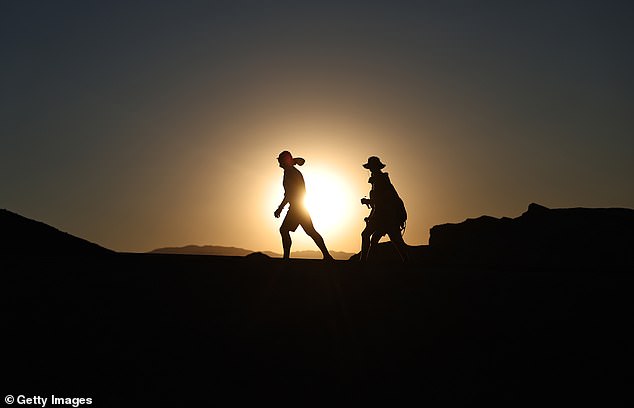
(540, 236)
(22, 236)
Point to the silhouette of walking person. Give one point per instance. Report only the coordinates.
(388, 213)
(294, 192)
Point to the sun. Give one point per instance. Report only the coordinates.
(328, 200)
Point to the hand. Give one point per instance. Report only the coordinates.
(277, 213)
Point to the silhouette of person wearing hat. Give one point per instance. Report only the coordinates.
(388, 213)
(294, 192)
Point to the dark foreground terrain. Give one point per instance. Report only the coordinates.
(142, 329)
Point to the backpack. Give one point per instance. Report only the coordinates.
(395, 204)
(399, 210)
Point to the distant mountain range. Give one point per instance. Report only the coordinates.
(25, 237)
(233, 251)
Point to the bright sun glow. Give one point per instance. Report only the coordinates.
(328, 200)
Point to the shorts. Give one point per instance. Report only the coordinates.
(297, 215)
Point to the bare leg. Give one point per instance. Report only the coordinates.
(286, 242)
(319, 240)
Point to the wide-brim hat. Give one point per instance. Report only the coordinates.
(373, 163)
(286, 155)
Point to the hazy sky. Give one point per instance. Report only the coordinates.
(138, 125)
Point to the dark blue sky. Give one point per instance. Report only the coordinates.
(140, 124)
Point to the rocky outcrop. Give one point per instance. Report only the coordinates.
(540, 237)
